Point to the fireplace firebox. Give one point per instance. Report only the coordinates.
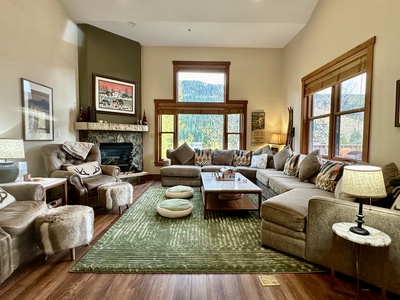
(119, 154)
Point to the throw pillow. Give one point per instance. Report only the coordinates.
(396, 204)
(264, 150)
(5, 198)
(202, 157)
(310, 165)
(291, 165)
(86, 170)
(389, 171)
(328, 177)
(183, 153)
(222, 157)
(281, 157)
(242, 158)
(343, 196)
(259, 161)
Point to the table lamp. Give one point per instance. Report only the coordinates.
(363, 181)
(275, 141)
(10, 148)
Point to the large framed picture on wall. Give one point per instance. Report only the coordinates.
(37, 103)
(113, 95)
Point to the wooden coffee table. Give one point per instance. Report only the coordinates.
(211, 188)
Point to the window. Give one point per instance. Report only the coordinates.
(201, 113)
(337, 104)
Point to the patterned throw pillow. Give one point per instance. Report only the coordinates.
(291, 165)
(5, 198)
(202, 157)
(329, 176)
(259, 161)
(86, 170)
(242, 158)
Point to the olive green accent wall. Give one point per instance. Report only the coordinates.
(110, 55)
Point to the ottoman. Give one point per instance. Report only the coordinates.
(181, 174)
(115, 194)
(175, 208)
(65, 227)
(179, 191)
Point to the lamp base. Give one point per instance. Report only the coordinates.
(359, 230)
(8, 172)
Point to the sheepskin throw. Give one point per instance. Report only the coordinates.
(65, 227)
(77, 149)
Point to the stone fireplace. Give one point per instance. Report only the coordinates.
(112, 135)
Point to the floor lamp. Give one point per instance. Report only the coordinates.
(363, 181)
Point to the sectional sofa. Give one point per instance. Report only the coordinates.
(304, 201)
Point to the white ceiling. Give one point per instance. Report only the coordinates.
(197, 23)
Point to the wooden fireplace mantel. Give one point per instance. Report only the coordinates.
(110, 126)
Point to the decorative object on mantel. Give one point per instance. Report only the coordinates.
(91, 114)
(82, 115)
(10, 149)
(144, 119)
(112, 95)
(363, 181)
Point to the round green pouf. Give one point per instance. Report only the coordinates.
(175, 208)
(179, 191)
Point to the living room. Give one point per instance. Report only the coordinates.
(40, 43)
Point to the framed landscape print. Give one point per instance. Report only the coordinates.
(112, 95)
(37, 103)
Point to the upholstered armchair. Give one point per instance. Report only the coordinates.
(82, 186)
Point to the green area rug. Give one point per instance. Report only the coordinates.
(142, 241)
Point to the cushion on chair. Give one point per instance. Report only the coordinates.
(175, 208)
(179, 191)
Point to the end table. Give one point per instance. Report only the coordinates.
(376, 238)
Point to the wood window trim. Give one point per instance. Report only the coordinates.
(318, 76)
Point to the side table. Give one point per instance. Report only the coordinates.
(376, 238)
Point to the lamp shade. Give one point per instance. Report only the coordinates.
(275, 139)
(363, 181)
(10, 148)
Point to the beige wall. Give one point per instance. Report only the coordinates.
(38, 42)
(255, 75)
(334, 28)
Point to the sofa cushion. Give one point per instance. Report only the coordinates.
(181, 171)
(284, 183)
(183, 153)
(264, 175)
(291, 165)
(281, 157)
(86, 170)
(5, 198)
(290, 209)
(328, 177)
(242, 158)
(310, 165)
(389, 171)
(222, 157)
(202, 157)
(259, 161)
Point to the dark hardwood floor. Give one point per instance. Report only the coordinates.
(37, 279)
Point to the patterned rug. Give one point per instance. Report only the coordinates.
(142, 241)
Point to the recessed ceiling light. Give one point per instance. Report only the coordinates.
(132, 24)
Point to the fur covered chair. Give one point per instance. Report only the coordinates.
(82, 183)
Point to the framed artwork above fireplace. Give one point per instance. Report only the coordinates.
(113, 95)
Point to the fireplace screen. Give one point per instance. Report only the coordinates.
(119, 154)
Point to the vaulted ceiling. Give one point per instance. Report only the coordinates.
(197, 23)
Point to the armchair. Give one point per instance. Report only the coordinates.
(81, 190)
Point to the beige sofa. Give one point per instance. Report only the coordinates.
(17, 233)
(299, 219)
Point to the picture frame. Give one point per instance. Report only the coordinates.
(397, 111)
(113, 95)
(38, 115)
(257, 128)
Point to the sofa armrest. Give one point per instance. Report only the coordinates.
(6, 257)
(167, 162)
(324, 212)
(110, 170)
(24, 191)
